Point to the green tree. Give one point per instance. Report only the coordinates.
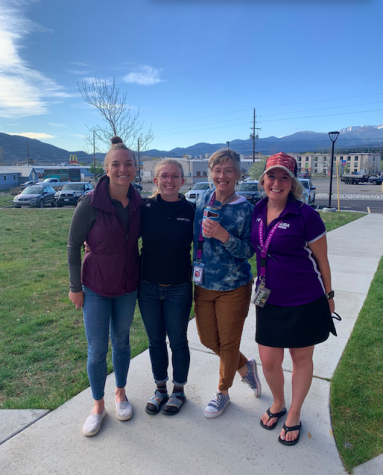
(257, 168)
(97, 170)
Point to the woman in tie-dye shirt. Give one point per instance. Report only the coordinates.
(222, 295)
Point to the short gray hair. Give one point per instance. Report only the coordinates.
(220, 156)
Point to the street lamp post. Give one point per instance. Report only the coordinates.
(333, 137)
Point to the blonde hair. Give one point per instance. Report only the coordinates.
(220, 156)
(117, 144)
(165, 161)
(296, 188)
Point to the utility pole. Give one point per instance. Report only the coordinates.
(254, 136)
(228, 144)
(94, 154)
(27, 154)
(138, 158)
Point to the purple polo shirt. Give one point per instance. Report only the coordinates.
(295, 279)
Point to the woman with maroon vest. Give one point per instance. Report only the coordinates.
(294, 299)
(109, 220)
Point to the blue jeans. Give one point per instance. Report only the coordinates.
(166, 310)
(100, 315)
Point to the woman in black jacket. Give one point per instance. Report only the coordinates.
(165, 291)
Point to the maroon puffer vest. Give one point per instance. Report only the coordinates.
(112, 267)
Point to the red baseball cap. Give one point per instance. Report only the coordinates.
(282, 160)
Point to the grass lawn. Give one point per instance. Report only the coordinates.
(338, 219)
(6, 199)
(357, 389)
(42, 338)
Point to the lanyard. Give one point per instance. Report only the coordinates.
(264, 246)
(200, 237)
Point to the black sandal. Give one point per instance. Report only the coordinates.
(174, 404)
(271, 415)
(290, 429)
(156, 402)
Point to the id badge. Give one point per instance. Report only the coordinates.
(261, 296)
(198, 269)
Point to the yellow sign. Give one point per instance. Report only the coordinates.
(73, 160)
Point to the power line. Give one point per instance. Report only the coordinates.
(276, 105)
(209, 117)
(324, 109)
(269, 115)
(321, 100)
(325, 115)
(273, 120)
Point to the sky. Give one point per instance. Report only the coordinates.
(194, 70)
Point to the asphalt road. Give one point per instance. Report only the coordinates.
(363, 197)
(365, 205)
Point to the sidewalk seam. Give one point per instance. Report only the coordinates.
(25, 427)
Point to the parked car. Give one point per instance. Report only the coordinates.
(71, 192)
(304, 175)
(35, 196)
(28, 183)
(197, 189)
(137, 186)
(375, 180)
(250, 191)
(308, 191)
(55, 182)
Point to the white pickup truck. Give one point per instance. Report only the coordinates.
(55, 182)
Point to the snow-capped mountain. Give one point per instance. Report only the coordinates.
(355, 127)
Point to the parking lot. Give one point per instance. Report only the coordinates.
(364, 197)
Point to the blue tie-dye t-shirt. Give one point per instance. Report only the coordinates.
(226, 265)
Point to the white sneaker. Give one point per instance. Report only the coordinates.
(216, 405)
(93, 423)
(124, 410)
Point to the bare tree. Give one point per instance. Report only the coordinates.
(117, 116)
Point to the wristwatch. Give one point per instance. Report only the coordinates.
(330, 295)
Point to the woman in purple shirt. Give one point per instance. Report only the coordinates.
(294, 299)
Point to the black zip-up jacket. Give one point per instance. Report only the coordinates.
(167, 234)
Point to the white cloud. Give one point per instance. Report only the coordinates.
(34, 135)
(144, 75)
(82, 105)
(77, 63)
(91, 79)
(23, 90)
(79, 73)
(56, 125)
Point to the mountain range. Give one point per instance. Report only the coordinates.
(13, 148)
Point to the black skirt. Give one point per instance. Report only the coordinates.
(294, 327)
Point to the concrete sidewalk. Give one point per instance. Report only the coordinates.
(191, 444)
